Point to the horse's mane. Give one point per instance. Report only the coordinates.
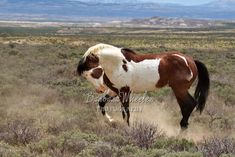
(127, 50)
(95, 49)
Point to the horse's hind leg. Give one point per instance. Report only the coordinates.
(187, 103)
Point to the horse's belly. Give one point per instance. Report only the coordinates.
(145, 76)
(143, 88)
(145, 84)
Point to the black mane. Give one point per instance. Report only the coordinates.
(127, 50)
(81, 66)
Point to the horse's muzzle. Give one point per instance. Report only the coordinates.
(101, 89)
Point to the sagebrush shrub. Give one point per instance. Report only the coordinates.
(20, 131)
(143, 134)
(216, 146)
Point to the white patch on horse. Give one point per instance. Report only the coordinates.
(191, 73)
(145, 74)
(97, 48)
(140, 76)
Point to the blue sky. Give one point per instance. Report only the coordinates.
(184, 2)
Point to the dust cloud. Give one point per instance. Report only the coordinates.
(167, 118)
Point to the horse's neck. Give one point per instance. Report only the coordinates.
(111, 59)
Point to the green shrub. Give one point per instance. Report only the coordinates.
(116, 139)
(174, 144)
(8, 151)
(71, 143)
(98, 149)
(159, 152)
(183, 154)
(13, 52)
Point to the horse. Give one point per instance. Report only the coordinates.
(125, 72)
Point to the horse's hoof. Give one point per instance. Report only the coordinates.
(184, 128)
(184, 125)
(128, 123)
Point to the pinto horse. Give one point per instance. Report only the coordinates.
(123, 71)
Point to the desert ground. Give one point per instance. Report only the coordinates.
(46, 109)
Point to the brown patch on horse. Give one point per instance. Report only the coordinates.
(109, 84)
(163, 73)
(124, 66)
(174, 71)
(87, 63)
(97, 73)
(124, 94)
(132, 56)
(128, 53)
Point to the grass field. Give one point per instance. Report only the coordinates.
(44, 109)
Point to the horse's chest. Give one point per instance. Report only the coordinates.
(141, 76)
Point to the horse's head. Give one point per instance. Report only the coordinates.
(89, 67)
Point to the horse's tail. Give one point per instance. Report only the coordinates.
(203, 85)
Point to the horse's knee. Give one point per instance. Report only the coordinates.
(102, 102)
(102, 108)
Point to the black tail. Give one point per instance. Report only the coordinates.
(203, 85)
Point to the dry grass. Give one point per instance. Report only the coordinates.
(42, 109)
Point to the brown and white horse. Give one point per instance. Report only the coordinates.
(123, 71)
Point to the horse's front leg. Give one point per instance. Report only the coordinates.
(102, 102)
(124, 96)
(123, 111)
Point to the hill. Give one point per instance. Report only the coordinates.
(73, 10)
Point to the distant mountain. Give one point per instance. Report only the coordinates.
(170, 22)
(222, 4)
(77, 10)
